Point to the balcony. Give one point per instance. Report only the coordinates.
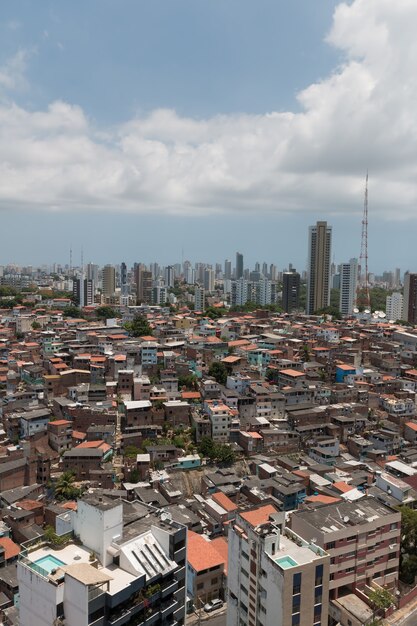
(168, 607)
(169, 588)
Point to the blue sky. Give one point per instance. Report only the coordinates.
(138, 128)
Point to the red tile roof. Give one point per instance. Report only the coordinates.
(224, 502)
(260, 515)
(201, 554)
(11, 549)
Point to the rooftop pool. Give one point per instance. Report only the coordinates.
(49, 562)
(285, 562)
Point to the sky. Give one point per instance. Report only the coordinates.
(190, 129)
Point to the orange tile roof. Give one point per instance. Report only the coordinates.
(60, 422)
(322, 499)
(342, 487)
(231, 359)
(291, 372)
(411, 425)
(76, 434)
(11, 549)
(201, 554)
(224, 501)
(255, 435)
(259, 516)
(71, 505)
(90, 444)
(190, 395)
(220, 544)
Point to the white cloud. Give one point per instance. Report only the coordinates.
(362, 116)
(13, 72)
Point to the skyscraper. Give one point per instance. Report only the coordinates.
(83, 297)
(143, 280)
(227, 269)
(319, 254)
(239, 265)
(109, 281)
(410, 298)
(123, 279)
(291, 291)
(348, 285)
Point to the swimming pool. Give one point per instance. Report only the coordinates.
(285, 562)
(49, 562)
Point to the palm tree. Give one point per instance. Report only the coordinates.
(64, 488)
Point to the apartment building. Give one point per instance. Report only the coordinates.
(274, 577)
(362, 539)
(220, 418)
(117, 573)
(205, 570)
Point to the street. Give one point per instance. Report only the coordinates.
(214, 620)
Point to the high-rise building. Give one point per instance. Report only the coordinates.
(395, 306)
(143, 280)
(109, 281)
(227, 269)
(123, 280)
(410, 298)
(169, 276)
(209, 280)
(83, 297)
(291, 291)
(241, 292)
(239, 265)
(348, 286)
(273, 272)
(199, 299)
(275, 578)
(319, 254)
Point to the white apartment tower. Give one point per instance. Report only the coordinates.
(319, 255)
(275, 578)
(348, 285)
(199, 299)
(395, 306)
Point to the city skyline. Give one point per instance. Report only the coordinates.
(252, 139)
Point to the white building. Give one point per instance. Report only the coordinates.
(274, 577)
(348, 285)
(395, 306)
(199, 299)
(114, 574)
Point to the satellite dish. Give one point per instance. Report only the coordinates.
(382, 315)
(367, 311)
(356, 310)
(391, 321)
(346, 519)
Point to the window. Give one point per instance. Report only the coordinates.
(393, 526)
(296, 584)
(330, 545)
(200, 586)
(296, 601)
(295, 619)
(214, 581)
(319, 575)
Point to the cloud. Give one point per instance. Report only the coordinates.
(361, 116)
(13, 72)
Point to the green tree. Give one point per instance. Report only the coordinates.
(218, 371)
(65, 488)
(106, 312)
(36, 325)
(139, 327)
(380, 599)
(215, 312)
(189, 381)
(71, 311)
(131, 452)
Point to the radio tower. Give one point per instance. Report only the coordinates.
(363, 298)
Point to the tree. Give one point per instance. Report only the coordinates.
(189, 381)
(65, 488)
(380, 599)
(215, 312)
(219, 372)
(36, 325)
(106, 312)
(71, 311)
(408, 564)
(131, 452)
(138, 327)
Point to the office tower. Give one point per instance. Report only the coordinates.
(143, 280)
(227, 269)
(348, 286)
(274, 578)
(410, 298)
(239, 266)
(273, 272)
(265, 270)
(189, 273)
(219, 270)
(395, 306)
(136, 571)
(199, 299)
(319, 253)
(199, 272)
(159, 293)
(291, 291)
(397, 275)
(109, 281)
(83, 297)
(209, 280)
(169, 276)
(92, 272)
(123, 280)
(257, 267)
(154, 268)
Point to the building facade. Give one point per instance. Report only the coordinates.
(318, 278)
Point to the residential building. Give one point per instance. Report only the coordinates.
(348, 285)
(87, 297)
(114, 574)
(143, 280)
(395, 306)
(274, 577)
(319, 255)
(291, 291)
(199, 299)
(205, 570)
(109, 281)
(410, 298)
(239, 266)
(361, 537)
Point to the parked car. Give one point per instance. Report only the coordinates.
(213, 605)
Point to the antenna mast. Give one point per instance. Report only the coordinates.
(363, 298)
